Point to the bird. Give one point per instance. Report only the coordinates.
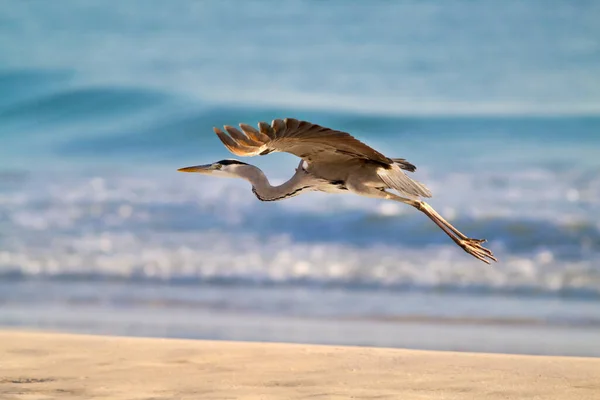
(332, 161)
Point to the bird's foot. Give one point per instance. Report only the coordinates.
(474, 248)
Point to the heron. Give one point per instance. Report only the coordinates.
(332, 161)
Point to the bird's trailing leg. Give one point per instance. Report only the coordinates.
(472, 246)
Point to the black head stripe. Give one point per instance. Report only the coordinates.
(231, 162)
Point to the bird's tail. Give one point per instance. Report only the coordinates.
(405, 165)
(396, 179)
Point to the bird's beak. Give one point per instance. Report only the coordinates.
(202, 169)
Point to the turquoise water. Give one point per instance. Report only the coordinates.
(497, 103)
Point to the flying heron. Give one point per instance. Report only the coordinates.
(332, 162)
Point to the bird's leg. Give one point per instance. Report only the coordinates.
(427, 209)
(471, 246)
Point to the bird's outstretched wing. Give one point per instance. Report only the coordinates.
(306, 140)
(316, 144)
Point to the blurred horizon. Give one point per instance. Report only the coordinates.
(497, 103)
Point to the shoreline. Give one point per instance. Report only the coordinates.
(74, 366)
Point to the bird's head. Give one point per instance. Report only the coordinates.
(223, 168)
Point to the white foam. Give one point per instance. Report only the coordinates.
(220, 255)
(184, 228)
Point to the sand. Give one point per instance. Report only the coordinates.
(36, 365)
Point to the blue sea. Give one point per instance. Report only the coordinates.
(497, 103)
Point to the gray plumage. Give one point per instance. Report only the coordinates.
(330, 154)
(332, 161)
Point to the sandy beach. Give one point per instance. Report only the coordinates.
(37, 365)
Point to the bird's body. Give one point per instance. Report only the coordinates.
(332, 162)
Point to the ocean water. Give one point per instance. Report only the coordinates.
(497, 103)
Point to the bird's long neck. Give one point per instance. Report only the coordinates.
(261, 187)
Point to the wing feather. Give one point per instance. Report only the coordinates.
(311, 142)
(278, 126)
(234, 146)
(240, 137)
(317, 144)
(291, 125)
(304, 139)
(254, 134)
(267, 130)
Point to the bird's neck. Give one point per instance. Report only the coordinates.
(263, 189)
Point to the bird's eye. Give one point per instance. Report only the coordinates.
(217, 166)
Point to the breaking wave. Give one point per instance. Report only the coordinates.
(182, 228)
